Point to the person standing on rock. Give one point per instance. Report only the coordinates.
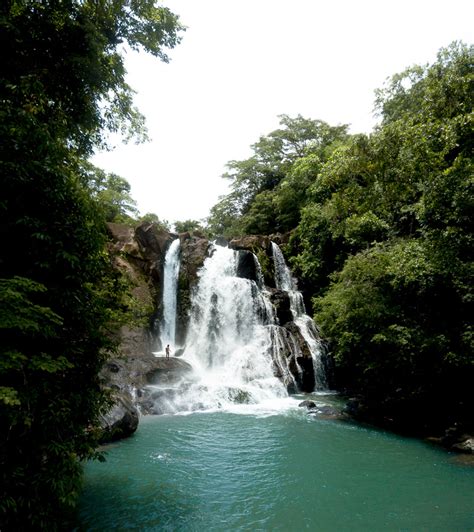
(167, 350)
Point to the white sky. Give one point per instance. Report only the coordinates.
(243, 62)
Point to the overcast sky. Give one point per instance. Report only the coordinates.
(241, 63)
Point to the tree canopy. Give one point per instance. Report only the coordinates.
(262, 189)
(62, 87)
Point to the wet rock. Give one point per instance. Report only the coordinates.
(465, 446)
(168, 371)
(306, 381)
(121, 420)
(179, 352)
(301, 342)
(194, 251)
(327, 412)
(239, 396)
(247, 266)
(308, 404)
(282, 304)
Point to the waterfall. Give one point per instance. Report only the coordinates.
(229, 345)
(239, 351)
(170, 283)
(229, 339)
(285, 282)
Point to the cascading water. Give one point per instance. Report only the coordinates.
(239, 351)
(305, 324)
(229, 343)
(229, 339)
(170, 282)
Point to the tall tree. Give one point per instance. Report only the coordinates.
(62, 85)
(259, 200)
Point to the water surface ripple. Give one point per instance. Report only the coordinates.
(223, 471)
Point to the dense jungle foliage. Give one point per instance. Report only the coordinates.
(62, 88)
(381, 238)
(380, 225)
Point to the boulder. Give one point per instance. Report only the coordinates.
(465, 446)
(251, 243)
(327, 412)
(308, 404)
(121, 420)
(168, 371)
(120, 233)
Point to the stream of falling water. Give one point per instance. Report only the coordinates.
(229, 340)
(284, 281)
(170, 283)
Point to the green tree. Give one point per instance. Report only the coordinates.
(62, 86)
(391, 226)
(188, 226)
(266, 177)
(112, 193)
(151, 217)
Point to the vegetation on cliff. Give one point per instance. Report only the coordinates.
(62, 88)
(382, 239)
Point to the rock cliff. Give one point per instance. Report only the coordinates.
(139, 256)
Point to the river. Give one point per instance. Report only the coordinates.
(273, 466)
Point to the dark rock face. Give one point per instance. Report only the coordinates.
(180, 352)
(281, 302)
(306, 380)
(194, 251)
(296, 333)
(153, 243)
(247, 266)
(135, 344)
(121, 420)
